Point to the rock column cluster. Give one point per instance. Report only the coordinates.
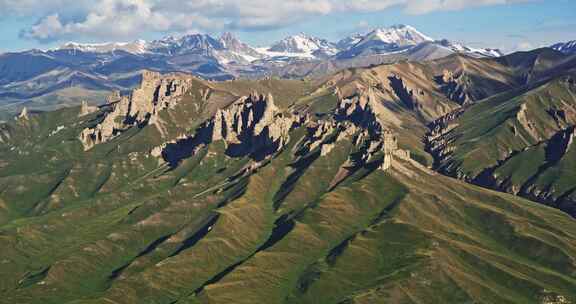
(141, 106)
(362, 118)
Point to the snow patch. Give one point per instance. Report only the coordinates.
(58, 129)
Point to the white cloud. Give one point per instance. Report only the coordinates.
(46, 28)
(524, 46)
(66, 19)
(427, 6)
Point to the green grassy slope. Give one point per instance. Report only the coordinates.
(116, 225)
(405, 236)
(517, 142)
(136, 233)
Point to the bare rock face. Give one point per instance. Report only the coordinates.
(455, 87)
(23, 114)
(141, 107)
(362, 119)
(254, 114)
(523, 118)
(391, 150)
(252, 125)
(112, 98)
(570, 139)
(5, 135)
(409, 96)
(366, 113)
(438, 140)
(85, 109)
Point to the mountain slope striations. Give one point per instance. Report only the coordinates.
(276, 191)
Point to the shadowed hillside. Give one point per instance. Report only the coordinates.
(289, 191)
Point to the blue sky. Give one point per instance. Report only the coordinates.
(505, 24)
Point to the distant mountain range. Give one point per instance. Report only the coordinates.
(228, 49)
(47, 79)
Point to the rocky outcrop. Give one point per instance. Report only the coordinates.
(252, 116)
(23, 114)
(85, 109)
(5, 134)
(377, 134)
(444, 124)
(253, 125)
(141, 107)
(455, 86)
(363, 119)
(364, 109)
(439, 142)
(408, 96)
(324, 135)
(530, 129)
(254, 113)
(522, 117)
(391, 150)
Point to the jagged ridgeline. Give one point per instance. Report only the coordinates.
(273, 191)
(520, 141)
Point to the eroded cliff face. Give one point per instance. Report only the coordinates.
(85, 109)
(521, 144)
(254, 126)
(365, 112)
(23, 114)
(459, 87)
(251, 126)
(438, 141)
(251, 116)
(140, 107)
(5, 134)
(429, 91)
(364, 121)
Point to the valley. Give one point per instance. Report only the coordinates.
(368, 185)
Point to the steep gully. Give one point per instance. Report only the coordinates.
(253, 126)
(556, 148)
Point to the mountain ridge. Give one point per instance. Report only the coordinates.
(402, 35)
(113, 68)
(565, 47)
(280, 191)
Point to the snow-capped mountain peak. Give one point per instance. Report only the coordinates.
(185, 44)
(167, 45)
(401, 35)
(233, 44)
(236, 50)
(349, 41)
(230, 41)
(566, 47)
(228, 51)
(397, 38)
(135, 47)
(302, 43)
(460, 48)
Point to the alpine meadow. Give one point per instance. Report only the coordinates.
(163, 160)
